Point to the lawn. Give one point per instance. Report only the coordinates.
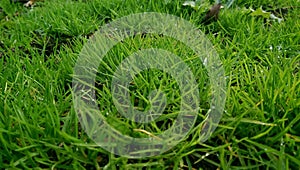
(40, 127)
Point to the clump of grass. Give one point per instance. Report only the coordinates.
(38, 124)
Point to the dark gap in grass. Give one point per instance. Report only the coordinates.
(2, 51)
(53, 41)
(205, 165)
(279, 11)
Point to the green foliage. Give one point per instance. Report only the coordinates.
(39, 47)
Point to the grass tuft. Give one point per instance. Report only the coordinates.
(38, 50)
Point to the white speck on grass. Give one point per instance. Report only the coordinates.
(271, 47)
(205, 61)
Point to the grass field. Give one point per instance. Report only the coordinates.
(259, 129)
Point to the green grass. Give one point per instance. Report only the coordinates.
(39, 126)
